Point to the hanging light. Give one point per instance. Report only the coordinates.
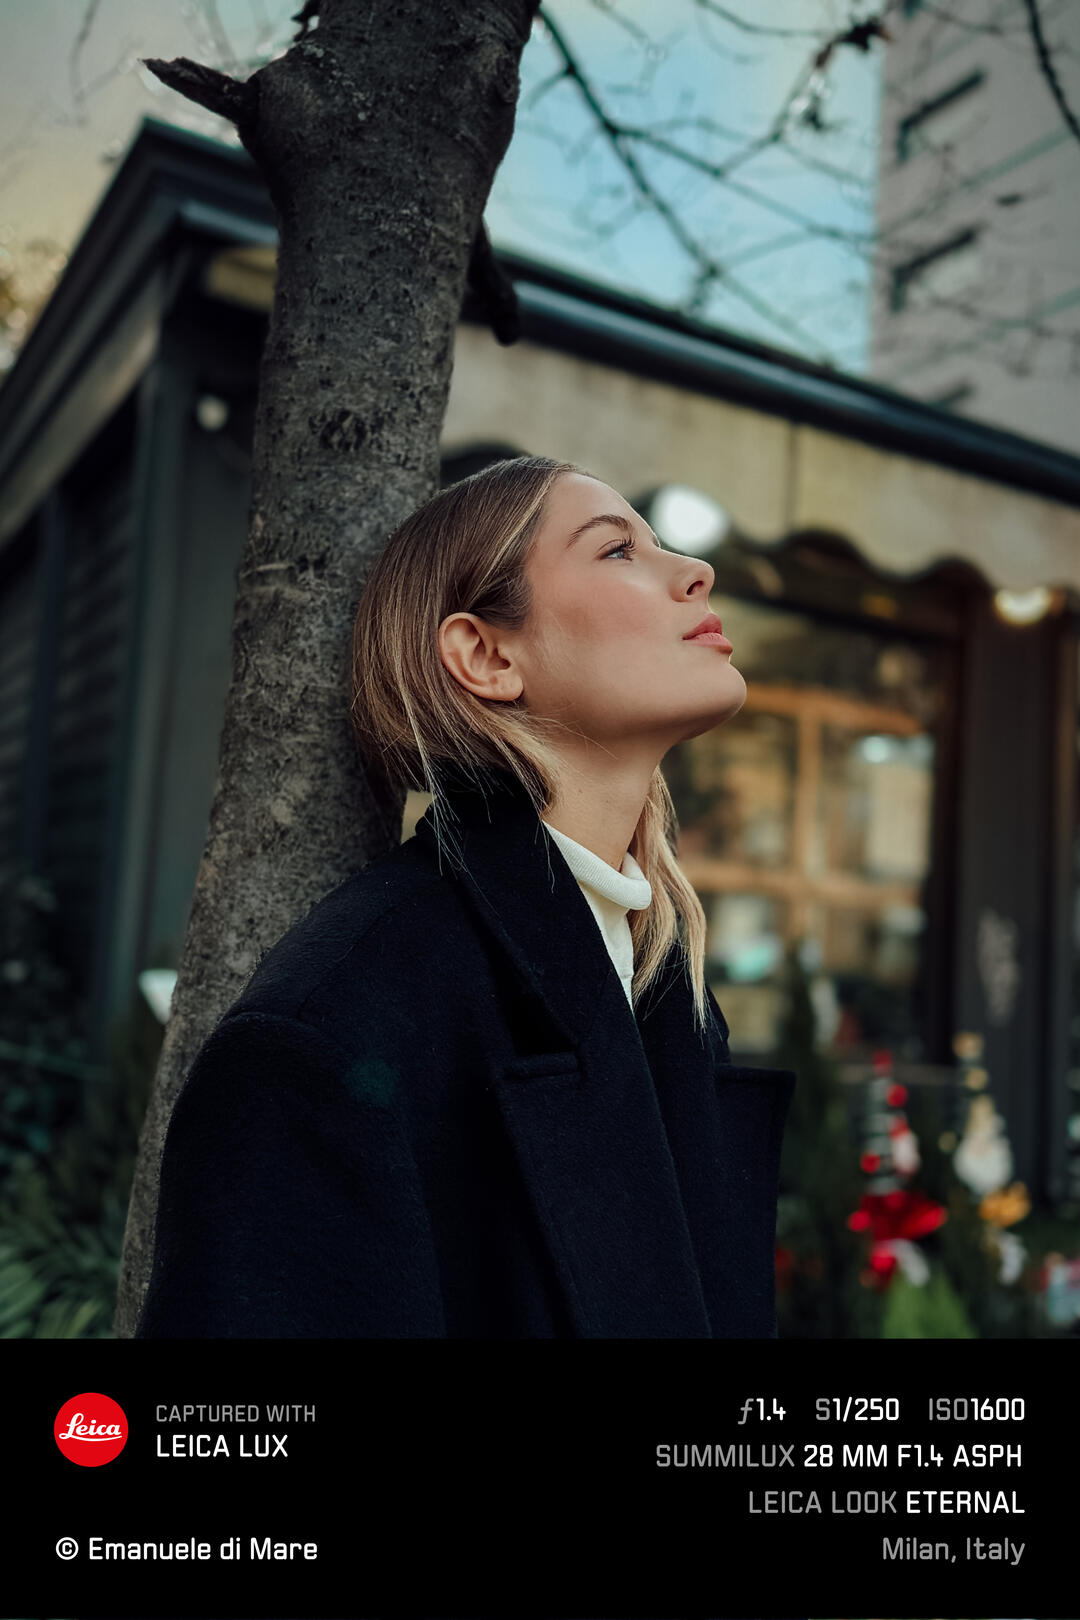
(1024, 607)
(876, 750)
(687, 519)
(211, 413)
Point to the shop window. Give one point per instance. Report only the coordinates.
(806, 821)
(1072, 1115)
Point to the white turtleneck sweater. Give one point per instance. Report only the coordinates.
(610, 895)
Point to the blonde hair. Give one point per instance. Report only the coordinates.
(464, 551)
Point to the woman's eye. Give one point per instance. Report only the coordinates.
(627, 545)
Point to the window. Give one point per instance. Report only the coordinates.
(938, 272)
(810, 820)
(937, 122)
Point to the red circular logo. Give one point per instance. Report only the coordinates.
(91, 1430)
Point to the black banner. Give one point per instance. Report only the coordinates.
(633, 1479)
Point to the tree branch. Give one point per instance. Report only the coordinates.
(229, 98)
(1049, 72)
(78, 94)
(710, 271)
(305, 17)
(493, 289)
(745, 27)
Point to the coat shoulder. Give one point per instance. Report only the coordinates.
(308, 954)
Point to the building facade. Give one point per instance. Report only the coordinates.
(977, 289)
(898, 798)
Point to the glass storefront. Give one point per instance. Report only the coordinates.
(807, 819)
(1072, 1119)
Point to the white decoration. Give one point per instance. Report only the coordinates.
(909, 1257)
(983, 1160)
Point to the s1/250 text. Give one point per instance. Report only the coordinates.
(858, 1408)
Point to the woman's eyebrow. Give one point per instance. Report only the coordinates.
(615, 518)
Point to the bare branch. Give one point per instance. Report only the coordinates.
(1049, 72)
(78, 93)
(721, 173)
(750, 146)
(542, 88)
(993, 28)
(710, 271)
(618, 133)
(229, 98)
(304, 18)
(494, 289)
(733, 17)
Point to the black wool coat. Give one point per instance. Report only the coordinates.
(432, 1112)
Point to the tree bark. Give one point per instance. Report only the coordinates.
(378, 133)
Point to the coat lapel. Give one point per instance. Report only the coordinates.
(584, 1118)
(724, 1123)
(514, 875)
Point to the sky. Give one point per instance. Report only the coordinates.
(563, 194)
(72, 93)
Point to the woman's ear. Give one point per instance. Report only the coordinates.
(470, 650)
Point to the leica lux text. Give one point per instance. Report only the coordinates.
(216, 1445)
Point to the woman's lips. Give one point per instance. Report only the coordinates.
(713, 638)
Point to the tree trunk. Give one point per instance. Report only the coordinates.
(379, 134)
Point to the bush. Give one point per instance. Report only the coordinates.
(68, 1133)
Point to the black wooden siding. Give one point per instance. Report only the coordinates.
(19, 611)
(93, 644)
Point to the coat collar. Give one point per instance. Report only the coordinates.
(499, 849)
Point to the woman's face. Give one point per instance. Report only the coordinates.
(604, 649)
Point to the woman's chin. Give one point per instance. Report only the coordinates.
(734, 691)
(722, 706)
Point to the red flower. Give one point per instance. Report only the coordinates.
(903, 1213)
(896, 1096)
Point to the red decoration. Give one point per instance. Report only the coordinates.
(896, 1096)
(869, 1162)
(879, 1273)
(883, 1062)
(904, 1213)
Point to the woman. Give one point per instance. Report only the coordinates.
(482, 1089)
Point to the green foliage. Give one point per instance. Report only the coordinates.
(821, 1184)
(42, 1054)
(62, 1217)
(932, 1311)
(68, 1148)
(961, 1247)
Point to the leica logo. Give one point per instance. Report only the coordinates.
(78, 1430)
(91, 1429)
